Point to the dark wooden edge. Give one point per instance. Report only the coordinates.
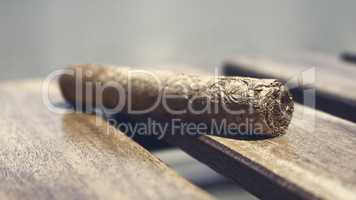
(349, 57)
(253, 177)
(330, 103)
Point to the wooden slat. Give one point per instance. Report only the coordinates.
(315, 159)
(334, 79)
(44, 155)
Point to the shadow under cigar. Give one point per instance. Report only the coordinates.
(148, 141)
(122, 121)
(143, 132)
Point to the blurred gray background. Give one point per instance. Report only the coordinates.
(39, 36)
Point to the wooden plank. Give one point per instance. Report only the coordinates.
(44, 155)
(334, 79)
(315, 159)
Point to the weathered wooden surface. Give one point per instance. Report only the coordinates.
(44, 155)
(315, 159)
(332, 78)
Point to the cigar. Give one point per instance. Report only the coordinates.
(251, 106)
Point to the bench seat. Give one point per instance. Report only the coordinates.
(44, 155)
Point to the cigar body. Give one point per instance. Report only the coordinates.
(256, 106)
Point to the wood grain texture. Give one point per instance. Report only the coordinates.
(44, 155)
(334, 79)
(315, 159)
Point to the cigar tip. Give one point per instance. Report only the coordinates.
(282, 111)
